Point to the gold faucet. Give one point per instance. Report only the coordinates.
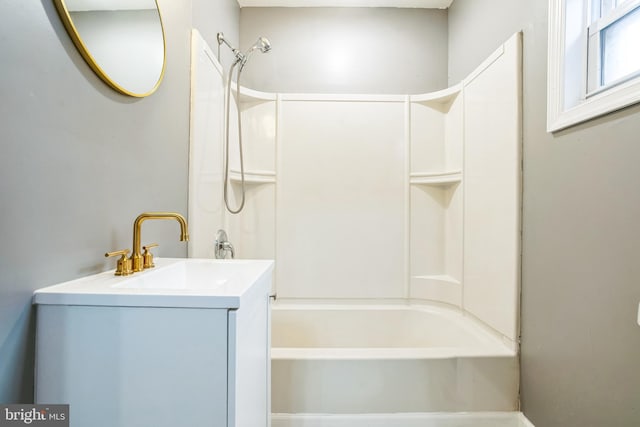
(136, 257)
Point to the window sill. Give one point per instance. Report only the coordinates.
(598, 105)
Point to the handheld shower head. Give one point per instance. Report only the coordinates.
(263, 44)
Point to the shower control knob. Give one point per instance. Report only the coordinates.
(222, 246)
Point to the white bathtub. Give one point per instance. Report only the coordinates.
(338, 359)
(477, 419)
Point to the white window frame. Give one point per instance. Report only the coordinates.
(568, 38)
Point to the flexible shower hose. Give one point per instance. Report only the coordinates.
(226, 157)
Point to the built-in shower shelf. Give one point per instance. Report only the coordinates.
(440, 100)
(443, 179)
(437, 287)
(250, 96)
(438, 278)
(253, 177)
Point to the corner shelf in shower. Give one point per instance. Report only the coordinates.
(440, 100)
(442, 279)
(442, 179)
(436, 205)
(253, 177)
(437, 287)
(248, 96)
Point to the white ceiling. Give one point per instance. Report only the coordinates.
(425, 4)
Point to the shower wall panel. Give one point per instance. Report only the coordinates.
(341, 200)
(205, 149)
(252, 232)
(492, 167)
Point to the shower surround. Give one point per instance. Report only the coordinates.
(402, 201)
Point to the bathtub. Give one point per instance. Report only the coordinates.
(478, 419)
(355, 359)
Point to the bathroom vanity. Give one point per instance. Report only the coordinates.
(183, 344)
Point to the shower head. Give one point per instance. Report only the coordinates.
(263, 44)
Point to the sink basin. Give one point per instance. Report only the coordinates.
(192, 274)
(174, 282)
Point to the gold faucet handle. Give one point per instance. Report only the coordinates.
(148, 256)
(123, 266)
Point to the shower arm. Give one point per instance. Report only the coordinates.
(240, 57)
(262, 44)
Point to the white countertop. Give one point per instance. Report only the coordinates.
(174, 282)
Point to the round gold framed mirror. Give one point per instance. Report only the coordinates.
(121, 40)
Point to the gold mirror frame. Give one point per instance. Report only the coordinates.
(73, 32)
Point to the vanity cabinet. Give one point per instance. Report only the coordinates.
(141, 360)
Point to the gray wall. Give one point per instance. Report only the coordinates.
(477, 28)
(211, 17)
(580, 292)
(346, 50)
(79, 162)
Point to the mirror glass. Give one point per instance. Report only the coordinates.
(122, 41)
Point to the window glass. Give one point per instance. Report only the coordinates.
(594, 59)
(620, 50)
